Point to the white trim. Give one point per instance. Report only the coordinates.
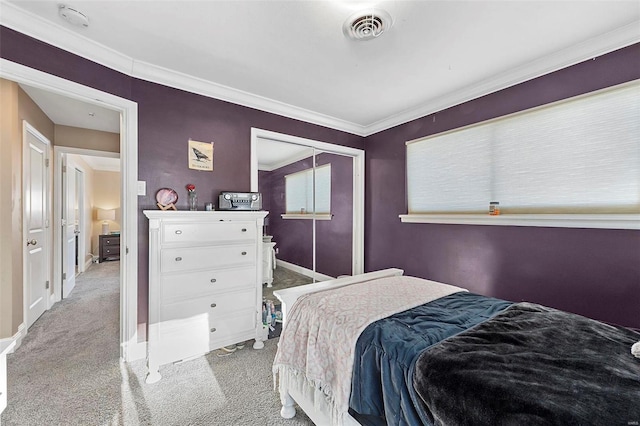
(588, 49)
(16, 18)
(317, 276)
(319, 216)
(16, 338)
(129, 153)
(604, 221)
(58, 153)
(358, 155)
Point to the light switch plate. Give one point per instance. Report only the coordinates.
(142, 187)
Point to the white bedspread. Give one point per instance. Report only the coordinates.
(320, 335)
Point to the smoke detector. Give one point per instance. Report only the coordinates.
(367, 25)
(73, 16)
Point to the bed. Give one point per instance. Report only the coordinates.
(382, 348)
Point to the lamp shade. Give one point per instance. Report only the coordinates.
(106, 214)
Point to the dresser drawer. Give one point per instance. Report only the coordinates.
(109, 251)
(216, 232)
(190, 258)
(111, 241)
(209, 307)
(184, 286)
(233, 328)
(180, 339)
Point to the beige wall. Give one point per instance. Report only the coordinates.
(106, 195)
(15, 106)
(10, 185)
(75, 137)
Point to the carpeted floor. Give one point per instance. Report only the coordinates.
(284, 278)
(67, 372)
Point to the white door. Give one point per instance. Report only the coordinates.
(80, 222)
(69, 227)
(36, 224)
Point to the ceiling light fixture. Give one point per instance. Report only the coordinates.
(367, 25)
(73, 16)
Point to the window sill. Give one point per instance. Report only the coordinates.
(319, 216)
(605, 221)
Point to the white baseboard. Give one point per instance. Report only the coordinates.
(304, 271)
(22, 331)
(52, 300)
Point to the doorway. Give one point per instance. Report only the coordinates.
(130, 348)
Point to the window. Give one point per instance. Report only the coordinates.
(571, 161)
(299, 193)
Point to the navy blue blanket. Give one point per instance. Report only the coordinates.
(386, 352)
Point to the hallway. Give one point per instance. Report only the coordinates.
(69, 360)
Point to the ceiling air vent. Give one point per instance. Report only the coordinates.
(367, 25)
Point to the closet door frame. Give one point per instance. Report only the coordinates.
(357, 266)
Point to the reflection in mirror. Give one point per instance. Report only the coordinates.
(309, 196)
(334, 237)
(292, 239)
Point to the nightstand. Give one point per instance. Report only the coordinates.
(109, 247)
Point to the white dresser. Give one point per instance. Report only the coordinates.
(205, 283)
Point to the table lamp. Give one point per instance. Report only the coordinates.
(106, 215)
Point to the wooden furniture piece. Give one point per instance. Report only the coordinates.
(205, 283)
(5, 348)
(109, 247)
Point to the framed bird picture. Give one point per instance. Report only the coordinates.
(200, 155)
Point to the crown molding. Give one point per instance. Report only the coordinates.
(589, 49)
(18, 19)
(34, 26)
(179, 80)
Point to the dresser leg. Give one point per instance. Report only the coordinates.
(153, 376)
(259, 344)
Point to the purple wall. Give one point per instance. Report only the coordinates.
(167, 118)
(294, 238)
(593, 272)
(589, 271)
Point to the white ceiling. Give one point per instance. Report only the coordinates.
(70, 112)
(291, 57)
(107, 164)
(273, 154)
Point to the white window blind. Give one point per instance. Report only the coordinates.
(577, 156)
(300, 192)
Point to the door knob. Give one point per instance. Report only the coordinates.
(31, 242)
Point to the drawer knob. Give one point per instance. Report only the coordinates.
(213, 280)
(213, 330)
(244, 253)
(244, 229)
(178, 232)
(213, 305)
(178, 259)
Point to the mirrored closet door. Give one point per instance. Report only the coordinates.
(309, 194)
